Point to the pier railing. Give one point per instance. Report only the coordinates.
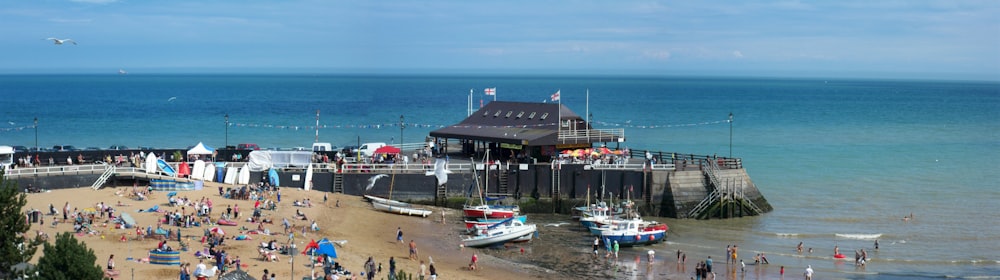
(56, 170)
(591, 135)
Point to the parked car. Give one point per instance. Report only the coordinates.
(145, 148)
(349, 150)
(92, 149)
(118, 147)
(323, 147)
(20, 149)
(247, 146)
(368, 149)
(64, 148)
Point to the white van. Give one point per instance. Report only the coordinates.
(368, 149)
(322, 147)
(6, 157)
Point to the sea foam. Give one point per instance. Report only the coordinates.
(862, 236)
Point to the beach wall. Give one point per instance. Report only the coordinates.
(664, 193)
(56, 182)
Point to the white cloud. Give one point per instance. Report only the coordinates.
(657, 55)
(738, 54)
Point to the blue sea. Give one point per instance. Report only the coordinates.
(841, 161)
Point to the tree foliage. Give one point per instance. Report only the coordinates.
(68, 259)
(15, 247)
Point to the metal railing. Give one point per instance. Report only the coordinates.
(633, 166)
(591, 135)
(56, 170)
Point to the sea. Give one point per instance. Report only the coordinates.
(842, 161)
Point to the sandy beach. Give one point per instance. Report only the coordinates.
(368, 233)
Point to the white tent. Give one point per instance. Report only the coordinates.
(201, 149)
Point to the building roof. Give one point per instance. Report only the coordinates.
(522, 123)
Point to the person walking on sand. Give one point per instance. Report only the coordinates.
(616, 249)
(413, 250)
(399, 235)
(809, 272)
(708, 265)
(392, 267)
(597, 243)
(733, 256)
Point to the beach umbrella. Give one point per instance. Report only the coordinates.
(604, 150)
(566, 152)
(217, 230)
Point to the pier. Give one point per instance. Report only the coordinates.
(680, 186)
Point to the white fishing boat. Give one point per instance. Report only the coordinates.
(395, 206)
(387, 201)
(409, 211)
(501, 233)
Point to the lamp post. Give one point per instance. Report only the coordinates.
(400, 134)
(227, 130)
(730, 134)
(36, 135)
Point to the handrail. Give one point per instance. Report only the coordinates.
(591, 134)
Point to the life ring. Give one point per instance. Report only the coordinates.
(651, 238)
(637, 238)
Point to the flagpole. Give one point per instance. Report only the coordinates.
(559, 112)
(469, 110)
(317, 127)
(494, 94)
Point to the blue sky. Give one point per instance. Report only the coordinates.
(894, 39)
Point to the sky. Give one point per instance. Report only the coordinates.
(866, 39)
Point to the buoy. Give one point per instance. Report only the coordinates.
(650, 238)
(637, 238)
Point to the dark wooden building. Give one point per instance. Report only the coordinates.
(523, 130)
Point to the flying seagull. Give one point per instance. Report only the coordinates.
(371, 181)
(58, 41)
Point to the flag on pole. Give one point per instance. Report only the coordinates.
(555, 96)
(491, 91)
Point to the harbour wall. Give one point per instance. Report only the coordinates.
(665, 193)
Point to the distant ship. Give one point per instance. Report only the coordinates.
(122, 72)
